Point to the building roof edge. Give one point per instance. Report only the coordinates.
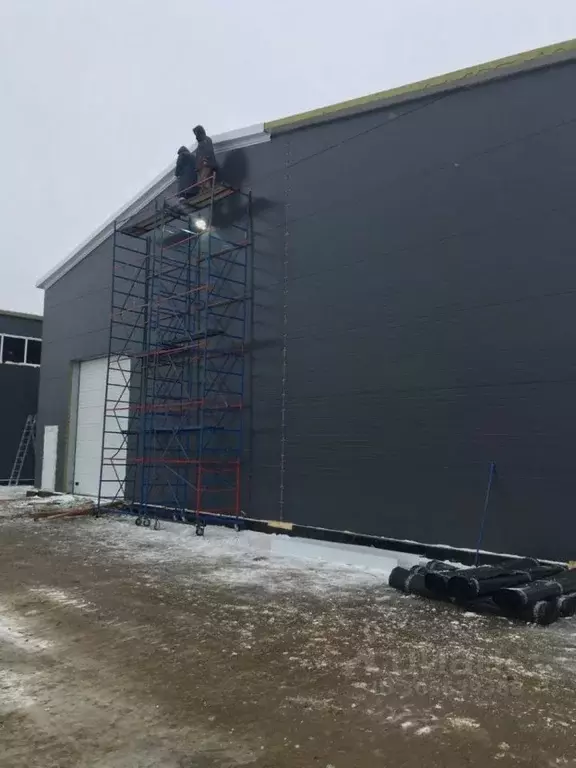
(243, 137)
(22, 315)
(537, 58)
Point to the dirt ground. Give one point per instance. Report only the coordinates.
(122, 647)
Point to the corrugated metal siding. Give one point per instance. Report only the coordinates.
(20, 326)
(18, 399)
(76, 327)
(431, 312)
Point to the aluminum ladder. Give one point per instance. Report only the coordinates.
(26, 438)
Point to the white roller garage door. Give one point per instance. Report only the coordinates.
(89, 423)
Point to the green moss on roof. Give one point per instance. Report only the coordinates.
(536, 57)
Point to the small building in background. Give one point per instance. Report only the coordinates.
(20, 354)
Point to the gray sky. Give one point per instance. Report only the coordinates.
(96, 95)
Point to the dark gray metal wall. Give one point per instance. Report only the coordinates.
(76, 327)
(18, 397)
(431, 305)
(419, 264)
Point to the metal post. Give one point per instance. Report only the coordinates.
(491, 474)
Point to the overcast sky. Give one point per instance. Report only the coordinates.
(96, 95)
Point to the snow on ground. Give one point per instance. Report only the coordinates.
(60, 597)
(258, 632)
(60, 500)
(274, 562)
(15, 503)
(14, 692)
(237, 559)
(14, 633)
(13, 492)
(463, 722)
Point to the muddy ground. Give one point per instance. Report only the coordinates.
(127, 648)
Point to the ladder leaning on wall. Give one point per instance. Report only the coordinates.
(26, 439)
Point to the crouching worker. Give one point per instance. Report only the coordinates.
(185, 173)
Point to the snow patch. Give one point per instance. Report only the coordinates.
(61, 597)
(13, 492)
(463, 723)
(13, 633)
(17, 505)
(63, 500)
(333, 552)
(14, 692)
(241, 559)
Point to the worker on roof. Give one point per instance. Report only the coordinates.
(206, 165)
(185, 173)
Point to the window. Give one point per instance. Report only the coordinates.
(33, 352)
(13, 349)
(19, 350)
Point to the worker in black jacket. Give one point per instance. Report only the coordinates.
(186, 173)
(206, 164)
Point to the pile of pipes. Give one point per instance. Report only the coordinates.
(522, 589)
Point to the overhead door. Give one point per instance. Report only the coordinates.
(89, 428)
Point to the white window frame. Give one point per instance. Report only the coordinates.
(26, 340)
(31, 338)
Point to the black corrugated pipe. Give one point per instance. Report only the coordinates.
(439, 583)
(514, 597)
(567, 604)
(416, 585)
(465, 587)
(543, 612)
(398, 577)
(413, 580)
(437, 580)
(506, 566)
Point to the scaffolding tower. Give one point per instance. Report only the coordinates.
(174, 404)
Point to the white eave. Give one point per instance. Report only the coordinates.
(244, 137)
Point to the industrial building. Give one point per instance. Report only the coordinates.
(20, 354)
(370, 310)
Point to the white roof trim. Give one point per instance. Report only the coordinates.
(20, 315)
(244, 137)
